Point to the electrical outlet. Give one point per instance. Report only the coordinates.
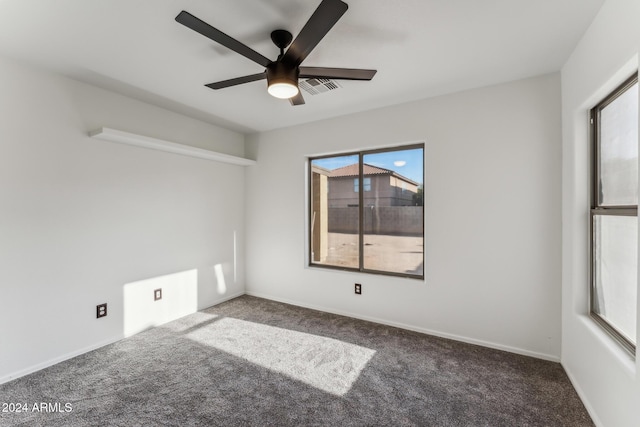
(101, 310)
(358, 289)
(157, 294)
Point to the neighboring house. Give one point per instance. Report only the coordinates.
(382, 187)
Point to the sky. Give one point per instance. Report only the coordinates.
(408, 163)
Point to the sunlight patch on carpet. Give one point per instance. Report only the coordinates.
(325, 363)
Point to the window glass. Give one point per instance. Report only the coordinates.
(366, 184)
(616, 265)
(619, 150)
(378, 230)
(334, 212)
(393, 219)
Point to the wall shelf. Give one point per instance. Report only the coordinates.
(119, 136)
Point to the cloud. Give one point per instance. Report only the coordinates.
(399, 163)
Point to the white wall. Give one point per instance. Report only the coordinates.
(605, 376)
(492, 269)
(81, 220)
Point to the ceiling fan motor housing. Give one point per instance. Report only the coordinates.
(279, 72)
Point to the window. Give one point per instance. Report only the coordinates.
(366, 211)
(356, 184)
(614, 213)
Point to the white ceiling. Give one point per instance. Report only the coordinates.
(421, 48)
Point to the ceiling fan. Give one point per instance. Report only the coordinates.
(282, 74)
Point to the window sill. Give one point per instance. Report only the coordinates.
(625, 359)
(320, 267)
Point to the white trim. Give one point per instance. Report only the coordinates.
(221, 300)
(583, 397)
(59, 359)
(119, 136)
(488, 344)
(623, 358)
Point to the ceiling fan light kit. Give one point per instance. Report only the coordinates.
(282, 74)
(282, 80)
(284, 90)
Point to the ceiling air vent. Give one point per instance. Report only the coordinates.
(316, 86)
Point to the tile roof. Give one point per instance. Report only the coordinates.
(352, 170)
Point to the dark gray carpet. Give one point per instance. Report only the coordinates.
(255, 362)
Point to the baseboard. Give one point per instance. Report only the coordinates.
(71, 355)
(583, 397)
(225, 299)
(488, 344)
(468, 340)
(59, 359)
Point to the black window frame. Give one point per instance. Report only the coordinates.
(597, 208)
(360, 268)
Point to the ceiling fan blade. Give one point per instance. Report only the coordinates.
(297, 100)
(237, 81)
(322, 20)
(337, 73)
(198, 25)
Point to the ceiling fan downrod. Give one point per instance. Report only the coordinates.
(282, 39)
